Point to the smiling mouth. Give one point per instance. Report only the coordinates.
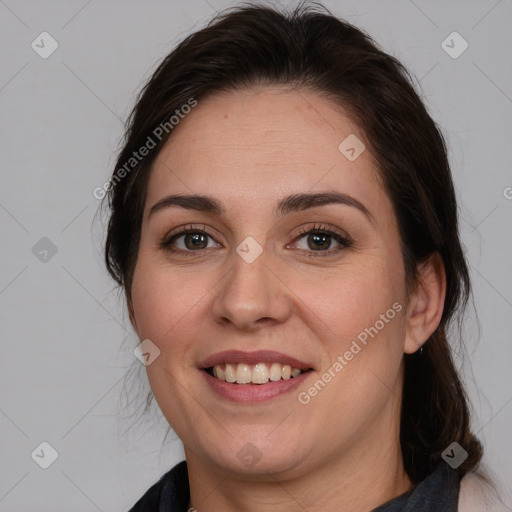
(260, 373)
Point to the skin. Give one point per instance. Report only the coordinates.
(249, 149)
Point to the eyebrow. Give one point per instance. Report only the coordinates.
(292, 203)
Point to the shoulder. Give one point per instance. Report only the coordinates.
(477, 494)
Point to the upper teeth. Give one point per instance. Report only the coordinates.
(260, 373)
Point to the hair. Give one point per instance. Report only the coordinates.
(256, 45)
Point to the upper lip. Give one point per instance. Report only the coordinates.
(259, 356)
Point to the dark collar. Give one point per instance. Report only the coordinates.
(439, 492)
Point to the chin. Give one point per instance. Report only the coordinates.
(261, 454)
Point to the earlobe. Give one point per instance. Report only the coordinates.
(426, 303)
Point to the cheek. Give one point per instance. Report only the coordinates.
(169, 308)
(362, 330)
(168, 304)
(353, 297)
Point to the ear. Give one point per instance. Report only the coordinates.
(426, 303)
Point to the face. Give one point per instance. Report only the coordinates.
(266, 274)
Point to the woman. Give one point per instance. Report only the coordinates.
(284, 225)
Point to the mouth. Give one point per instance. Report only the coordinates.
(260, 373)
(253, 376)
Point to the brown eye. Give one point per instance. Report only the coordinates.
(195, 241)
(189, 241)
(321, 240)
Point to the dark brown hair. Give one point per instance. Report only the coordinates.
(253, 45)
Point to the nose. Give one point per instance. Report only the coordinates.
(251, 296)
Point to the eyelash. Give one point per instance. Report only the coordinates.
(343, 239)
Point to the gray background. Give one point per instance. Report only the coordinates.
(66, 340)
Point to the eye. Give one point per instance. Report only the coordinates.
(189, 240)
(320, 239)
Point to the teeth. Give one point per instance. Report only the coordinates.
(229, 373)
(243, 374)
(218, 372)
(275, 371)
(258, 374)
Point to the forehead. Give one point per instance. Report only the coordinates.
(262, 144)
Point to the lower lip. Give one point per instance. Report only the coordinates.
(253, 392)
